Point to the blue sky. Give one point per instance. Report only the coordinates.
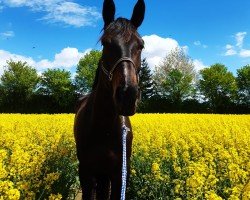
(57, 33)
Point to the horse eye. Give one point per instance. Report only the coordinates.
(140, 47)
(106, 42)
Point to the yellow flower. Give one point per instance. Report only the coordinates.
(55, 197)
(13, 194)
(246, 191)
(8, 191)
(211, 195)
(155, 168)
(133, 172)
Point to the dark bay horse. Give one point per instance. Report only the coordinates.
(115, 93)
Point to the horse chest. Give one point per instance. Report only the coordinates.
(109, 147)
(102, 151)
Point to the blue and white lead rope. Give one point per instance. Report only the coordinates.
(125, 130)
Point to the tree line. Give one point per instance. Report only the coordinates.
(174, 86)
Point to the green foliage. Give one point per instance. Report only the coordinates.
(243, 82)
(145, 81)
(57, 84)
(18, 83)
(177, 84)
(86, 69)
(218, 85)
(175, 76)
(171, 88)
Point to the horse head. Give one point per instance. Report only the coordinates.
(121, 57)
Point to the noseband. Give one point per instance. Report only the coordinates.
(110, 73)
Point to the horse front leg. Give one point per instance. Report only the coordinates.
(128, 170)
(87, 182)
(103, 188)
(116, 185)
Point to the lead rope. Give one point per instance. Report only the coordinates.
(125, 130)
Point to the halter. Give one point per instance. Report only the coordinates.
(110, 73)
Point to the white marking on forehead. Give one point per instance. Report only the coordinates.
(126, 76)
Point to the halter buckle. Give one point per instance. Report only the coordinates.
(110, 76)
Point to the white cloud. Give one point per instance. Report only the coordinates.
(67, 58)
(60, 11)
(244, 53)
(7, 34)
(198, 43)
(198, 65)
(1, 6)
(185, 49)
(72, 14)
(229, 46)
(230, 50)
(6, 55)
(240, 38)
(156, 48)
(238, 49)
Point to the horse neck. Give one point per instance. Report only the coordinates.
(104, 111)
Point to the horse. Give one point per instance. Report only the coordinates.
(115, 93)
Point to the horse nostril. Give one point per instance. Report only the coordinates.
(120, 94)
(126, 93)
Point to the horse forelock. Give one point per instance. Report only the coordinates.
(121, 28)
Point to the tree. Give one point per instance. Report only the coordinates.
(18, 84)
(243, 83)
(178, 85)
(218, 86)
(145, 81)
(175, 77)
(57, 84)
(85, 72)
(1, 98)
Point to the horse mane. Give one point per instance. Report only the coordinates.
(96, 75)
(121, 28)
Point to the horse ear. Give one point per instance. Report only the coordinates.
(138, 13)
(108, 12)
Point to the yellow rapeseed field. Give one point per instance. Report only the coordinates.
(175, 156)
(181, 156)
(37, 156)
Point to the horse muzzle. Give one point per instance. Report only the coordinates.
(126, 100)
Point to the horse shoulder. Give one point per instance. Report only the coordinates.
(80, 109)
(81, 102)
